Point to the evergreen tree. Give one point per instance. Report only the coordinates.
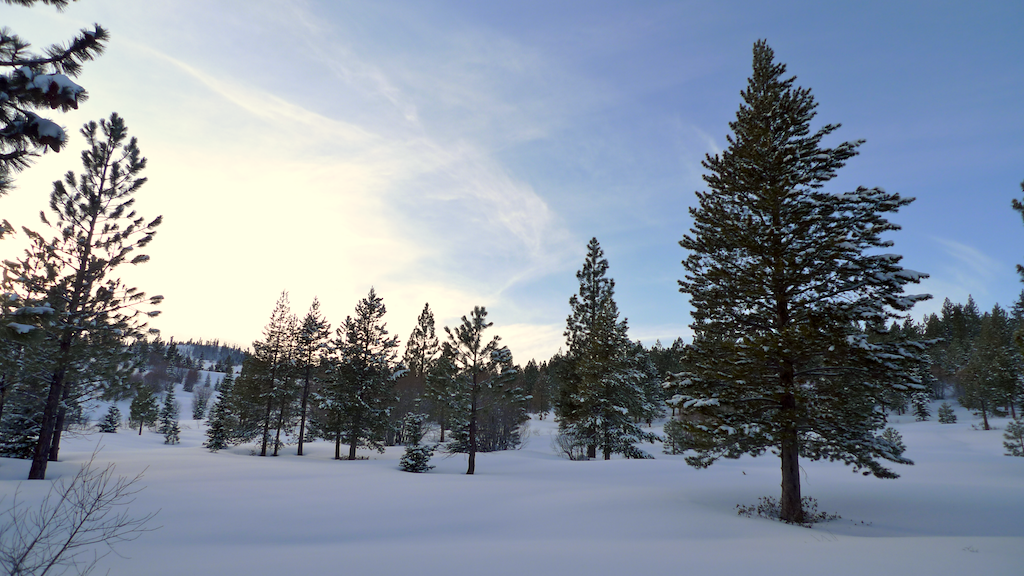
(480, 367)
(97, 230)
(31, 81)
(922, 412)
(788, 290)
(423, 347)
(991, 376)
(603, 393)
(417, 455)
(271, 373)
(311, 345)
(111, 421)
(169, 418)
(440, 390)
(200, 400)
(358, 399)
(946, 414)
(228, 423)
(144, 410)
(1014, 438)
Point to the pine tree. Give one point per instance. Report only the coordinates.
(417, 455)
(357, 401)
(111, 421)
(480, 367)
(271, 373)
(32, 81)
(789, 291)
(946, 414)
(1014, 438)
(922, 412)
(312, 343)
(169, 418)
(97, 230)
(439, 390)
(144, 410)
(990, 378)
(603, 394)
(423, 346)
(225, 424)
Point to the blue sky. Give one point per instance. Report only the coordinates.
(463, 153)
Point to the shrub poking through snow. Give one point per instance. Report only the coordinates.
(922, 412)
(769, 508)
(946, 415)
(417, 455)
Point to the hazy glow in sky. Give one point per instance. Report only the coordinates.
(463, 153)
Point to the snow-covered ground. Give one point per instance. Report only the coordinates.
(959, 510)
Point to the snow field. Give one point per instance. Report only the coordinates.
(959, 510)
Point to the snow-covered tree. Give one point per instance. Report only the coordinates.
(32, 81)
(169, 418)
(200, 400)
(144, 409)
(482, 368)
(417, 455)
(603, 388)
(790, 288)
(356, 402)
(111, 420)
(312, 343)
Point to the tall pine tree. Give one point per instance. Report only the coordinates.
(602, 396)
(97, 230)
(311, 346)
(788, 285)
(480, 367)
(358, 400)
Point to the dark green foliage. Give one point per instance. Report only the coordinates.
(312, 343)
(31, 82)
(111, 421)
(423, 347)
(1014, 438)
(232, 418)
(200, 399)
(791, 297)
(946, 414)
(417, 455)
(895, 441)
(169, 418)
(608, 383)
(922, 412)
(991, 377)
(268, 378)
(144, 410)
(482, 371)
(355, 403)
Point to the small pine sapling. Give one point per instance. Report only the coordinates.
(946, 414)
(111, 420)
(896, 439)
(417, 455)
(200, 399)
(1014, 437)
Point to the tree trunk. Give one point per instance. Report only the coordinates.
(302, 416)
(791, 507)
(337, 446)
(472, 426)
(42, 452)
(984, 413)
(353, 440)
(266, 428)
(58, 427)
(142, 422)
(591, 451)
(280, 424)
